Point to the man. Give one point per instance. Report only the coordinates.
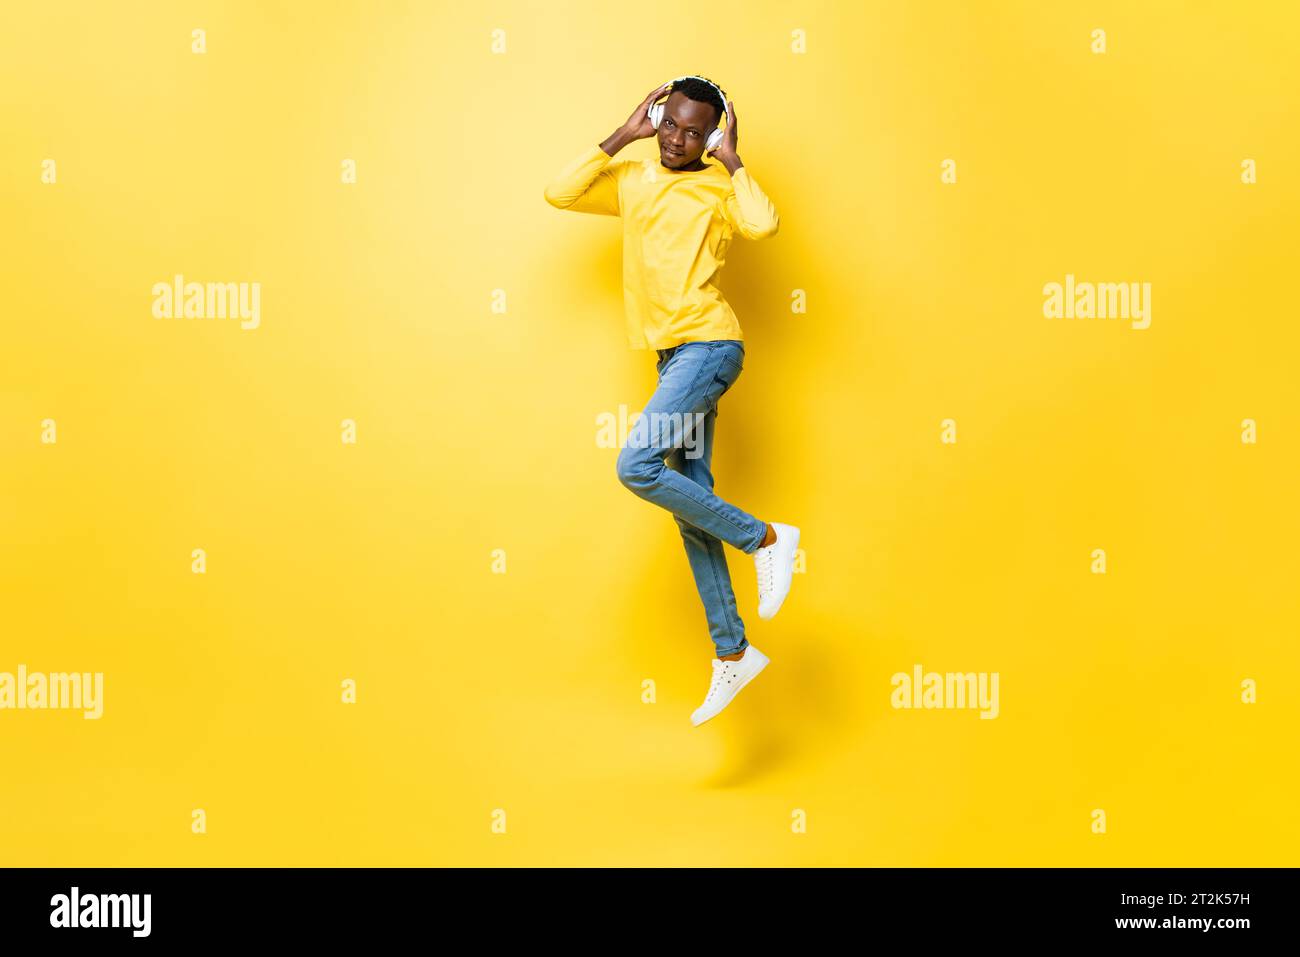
(680, 215)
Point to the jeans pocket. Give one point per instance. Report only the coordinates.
(732, 363)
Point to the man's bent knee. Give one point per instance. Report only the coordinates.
(638, 469)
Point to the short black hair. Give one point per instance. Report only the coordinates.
(696, 89)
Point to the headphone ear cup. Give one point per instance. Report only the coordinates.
(655, 113)
(715, 139)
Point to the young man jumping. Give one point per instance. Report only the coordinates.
(680, 215)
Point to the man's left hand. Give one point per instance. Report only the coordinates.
(726, 152)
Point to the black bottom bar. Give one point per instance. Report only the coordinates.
(977, 906)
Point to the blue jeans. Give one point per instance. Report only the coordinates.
(666, 461)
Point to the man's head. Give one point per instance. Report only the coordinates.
(692, 112)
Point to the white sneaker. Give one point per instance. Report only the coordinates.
(775, 567)
(728, 678)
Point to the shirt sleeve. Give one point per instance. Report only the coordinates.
(589, 184)
(748, 208)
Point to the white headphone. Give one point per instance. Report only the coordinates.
(656, 111)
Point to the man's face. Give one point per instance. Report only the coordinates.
(683, 131)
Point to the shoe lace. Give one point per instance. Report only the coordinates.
(721, 671)
(766, 565)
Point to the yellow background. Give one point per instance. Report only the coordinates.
(476, 431)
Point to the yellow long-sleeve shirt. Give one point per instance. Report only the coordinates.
(677, 228)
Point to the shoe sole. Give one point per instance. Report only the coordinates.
(739, 688)
(793, 549)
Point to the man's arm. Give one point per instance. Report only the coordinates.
(590, 183)
(747, 208)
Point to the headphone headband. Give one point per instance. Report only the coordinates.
(695, 76)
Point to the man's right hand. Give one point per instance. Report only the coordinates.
(638, 125)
